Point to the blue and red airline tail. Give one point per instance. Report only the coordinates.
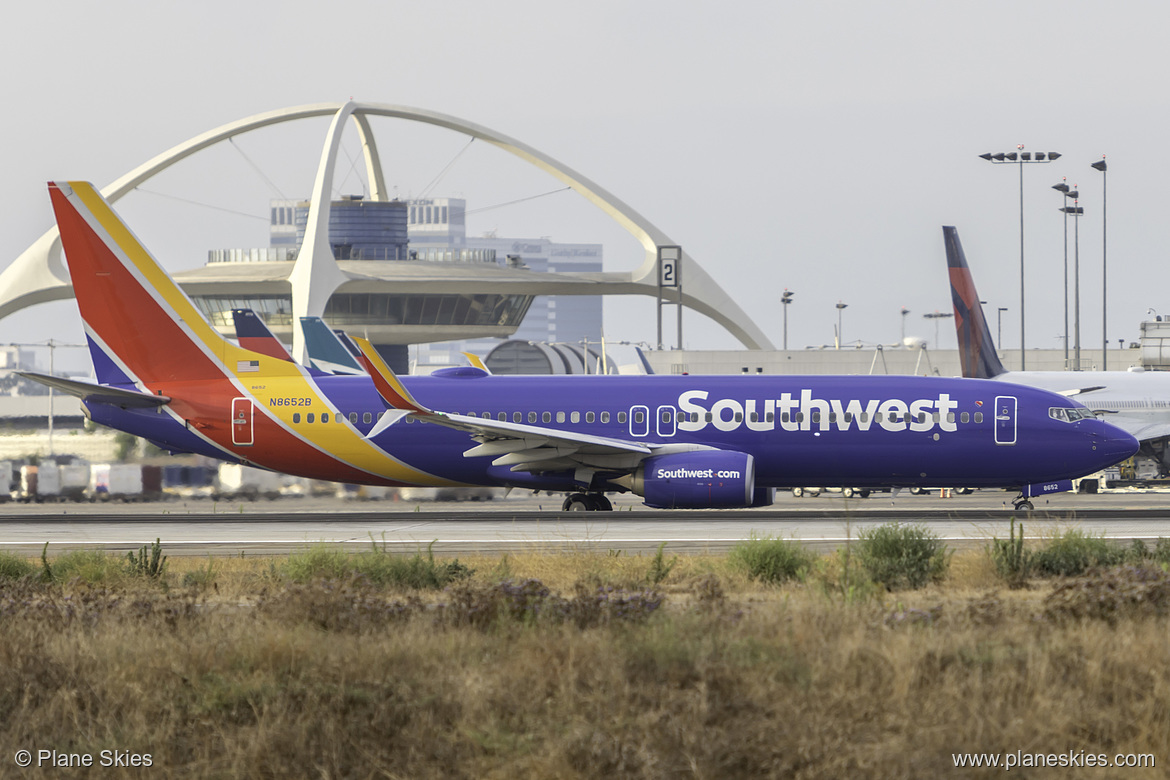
(253, 334)
(976, 349)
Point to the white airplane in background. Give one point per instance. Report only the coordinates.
(1136, 401)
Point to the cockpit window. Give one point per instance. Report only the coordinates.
(1066, 414)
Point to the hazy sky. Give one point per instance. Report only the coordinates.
(814, 146)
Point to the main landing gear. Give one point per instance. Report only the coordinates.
(587, 502)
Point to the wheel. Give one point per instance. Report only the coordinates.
(1024, 506)
(600, 502)
(798, 492)
(863, 493)
(964, 491)
(587, 502)
(847, 492)
(916, 491)
(577, 502)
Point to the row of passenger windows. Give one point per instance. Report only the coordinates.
(573, 417)
(639, 417)
(785, 417)
(367, 417)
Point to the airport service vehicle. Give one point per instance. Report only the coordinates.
(1138, 402)
(165, 374)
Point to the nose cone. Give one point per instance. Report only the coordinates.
(1112, 445)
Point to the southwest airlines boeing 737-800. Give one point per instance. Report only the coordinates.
(163, 373)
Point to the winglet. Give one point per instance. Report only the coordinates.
(388, 384)
(977, 353)
(477, 362)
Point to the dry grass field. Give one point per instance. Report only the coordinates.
(567, 666)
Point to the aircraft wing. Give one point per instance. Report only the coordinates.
(535, 448)
(88, 391)
(521, 447)
(1074, 392)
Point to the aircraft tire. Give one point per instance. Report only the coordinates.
(848, 492)
(577, 502)
(797, 492)
(1024, 506)
(600, 502)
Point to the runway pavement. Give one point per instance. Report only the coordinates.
(536, 523)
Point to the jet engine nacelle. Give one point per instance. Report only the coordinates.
(697, 480)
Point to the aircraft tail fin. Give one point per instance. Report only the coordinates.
(253, 334)
(977, 353)
(344, 338)
(327, 352)
(142, 328)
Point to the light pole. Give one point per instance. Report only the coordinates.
(840, 308)
(1020, 157)
(786, 298)
(999, 326)
(1063, 188)
(905, 311)
(1100, 165)
(1076, 211)
(936, 316)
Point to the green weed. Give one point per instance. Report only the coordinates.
(14, 567)
(902, 556)
(772, 560)
(1074, 552)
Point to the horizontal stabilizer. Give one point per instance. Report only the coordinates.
(91, 393)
